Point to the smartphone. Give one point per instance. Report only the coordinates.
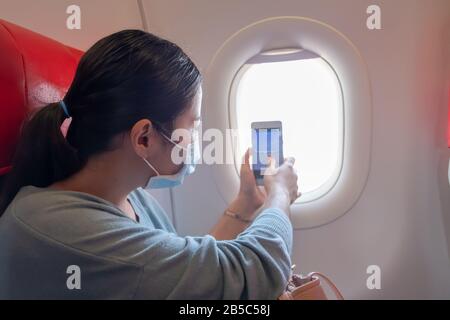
(267, 141)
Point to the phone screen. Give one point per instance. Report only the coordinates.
(266, 142)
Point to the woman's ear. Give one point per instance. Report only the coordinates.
(140, 136)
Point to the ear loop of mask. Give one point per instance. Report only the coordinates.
(153, 168)
(170, 140)
(149, 164)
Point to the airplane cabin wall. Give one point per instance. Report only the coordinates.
(398, 222)
(401, 220)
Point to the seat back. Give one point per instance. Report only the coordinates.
(34, 71)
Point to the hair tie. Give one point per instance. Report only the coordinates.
(63, 105)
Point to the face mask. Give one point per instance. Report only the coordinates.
(192, 152)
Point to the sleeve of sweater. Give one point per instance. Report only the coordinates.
(255, 265)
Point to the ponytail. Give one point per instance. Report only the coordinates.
(43, 156)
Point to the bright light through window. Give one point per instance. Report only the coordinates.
(305, 95)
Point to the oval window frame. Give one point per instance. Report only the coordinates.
(351, 69)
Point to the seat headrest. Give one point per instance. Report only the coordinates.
(34, 71)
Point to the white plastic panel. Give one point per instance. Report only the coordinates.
(342, 55)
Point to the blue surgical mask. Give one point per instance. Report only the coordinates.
(192, 154)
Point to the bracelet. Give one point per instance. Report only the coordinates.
(237, 216)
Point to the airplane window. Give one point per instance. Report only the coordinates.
(301, 90)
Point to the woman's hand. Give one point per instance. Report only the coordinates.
(250, 197)
(281, 185)
(281, 191)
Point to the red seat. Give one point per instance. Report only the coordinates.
(34, 71)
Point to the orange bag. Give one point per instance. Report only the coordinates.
(308, 288)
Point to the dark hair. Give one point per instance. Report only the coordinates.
(123, 78)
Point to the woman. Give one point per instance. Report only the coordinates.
(76, 221)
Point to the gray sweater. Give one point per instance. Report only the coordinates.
(72, 245)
